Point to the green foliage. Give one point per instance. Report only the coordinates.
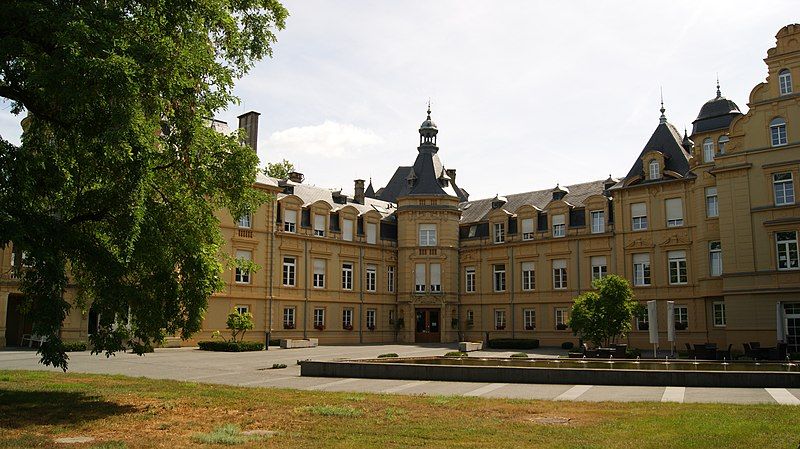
(603, 315)
(632, 353)
(456, 354)
(239, 323)
(519, 355)
(230, 346)
(387, 355)
(513, 343)
(118, 174)
(278, 365)
(225, 434)
(279, 170)
(74, 346)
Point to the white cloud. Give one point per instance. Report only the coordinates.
(330, 140)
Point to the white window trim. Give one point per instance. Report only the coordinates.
(787, 193)
(529, 319)
(347, 276)
(290, 226)
(499, 232)
(724, 321)
(289, 272)
(499, 278)
(469, 280)
(785, 82)
(787, 244)
(709, 195)
(598, 225)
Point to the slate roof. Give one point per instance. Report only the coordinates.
(668, 141)
(310, 194)
(716, 113)
(478, 210)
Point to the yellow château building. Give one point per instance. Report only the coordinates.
(708, 220)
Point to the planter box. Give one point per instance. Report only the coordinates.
(469, 346)
(171, 342)
(297, 343)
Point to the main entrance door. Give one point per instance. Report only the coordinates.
(427, 326)
(17, 324)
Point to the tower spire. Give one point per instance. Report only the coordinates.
(719, 94)
(663, 118)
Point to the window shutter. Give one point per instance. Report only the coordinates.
(598, 261)
(674, 209)
(319, 222)
(558, 220)
(347, 230)
(527, 225)
(639, 210)
(641, 258)
(527, 266)
(290, 216)
(436, 274)
(561, 263)
(419, 274)
(371, 233)
(319, 266)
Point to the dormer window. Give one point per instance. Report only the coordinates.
(708, 150)
(723, 140)
(319, 225)
(777, 129)
(655, 169)
(559, 226)
(785, 82)
(290, 220)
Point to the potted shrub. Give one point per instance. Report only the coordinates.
(288, 325)
(500, 327)
(681, 325)
(561, 326)
(347, 327)
(319, 327)
(371, 327)
(529, 327)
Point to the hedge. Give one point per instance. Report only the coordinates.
(229, 346)
(514, 343)
(74, 346)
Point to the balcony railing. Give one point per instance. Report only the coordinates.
(246, 233)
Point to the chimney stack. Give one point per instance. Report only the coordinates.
(359, 191)
(451, 172)
(296, 176)
(249, 123)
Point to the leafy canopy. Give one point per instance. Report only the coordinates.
(115, 183)
(604, 314)
(279, 170)
(239, 323)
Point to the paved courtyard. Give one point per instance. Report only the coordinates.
(251, 369)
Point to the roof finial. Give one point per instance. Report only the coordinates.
(719, 94)
(663, 118)
(429, 108)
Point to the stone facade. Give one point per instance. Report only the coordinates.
(707, 220)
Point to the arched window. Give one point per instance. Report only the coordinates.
(708, 150)
(785, 81)
(655, 170)
(723, 140)
(777, 129)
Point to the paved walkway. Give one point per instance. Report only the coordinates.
(251, 369)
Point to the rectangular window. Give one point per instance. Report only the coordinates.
(712, 203)
(783, 186)
(639, 216)
(674, 212)
(499, 319)
(778, 132)
(419, 278)
(372, 278)
(527, 229)
(559, 274)
(682, 317)
(347, 276)
(641, 270)
(528, 276)
(347, 230)
(499, 278)
(427, 234)
(371, 319)
(787, 250)
(469, 282)
(391, 317)
(372, 233)
(243, 309)
(390, 279)
(529, 317)
(242, 274)
(719, 314)
(677, 267)
(598, 221)
(289, 271)
(599, 267)
(319, 225)
(715, 258)
(436, 277)
(319, 273)
(785, 81)
(559, 226)
(470, 317)
(288, 318)
(473, 231)
(245, 221)
(562, 318)
(347, 319)
(499, 232)
(319, 319)
(290, 220)
(643, 321)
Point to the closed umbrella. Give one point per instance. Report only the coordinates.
(652, 318)
(779, 323)
(671, 323)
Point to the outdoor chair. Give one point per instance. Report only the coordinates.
(725, 355)
(689, 350)
(755, 345)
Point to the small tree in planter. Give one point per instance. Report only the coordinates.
(239, 323)
(605, 314)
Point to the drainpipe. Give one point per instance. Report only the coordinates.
(305, 288)
(511, 284)
(270, 273)
(362, 274)
(458, 294)
(578, 250)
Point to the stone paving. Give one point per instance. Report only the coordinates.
(252, 369)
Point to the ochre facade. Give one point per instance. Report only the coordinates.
(708, 220)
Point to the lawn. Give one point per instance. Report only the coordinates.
(123, 412)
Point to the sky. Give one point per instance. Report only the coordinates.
(526, 94)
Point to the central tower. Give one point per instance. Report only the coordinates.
(427, 223)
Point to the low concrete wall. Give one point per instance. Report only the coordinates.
(505, 374)
(294, 343)
(469, 346)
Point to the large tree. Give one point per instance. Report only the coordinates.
(114, 186)
(604, 314)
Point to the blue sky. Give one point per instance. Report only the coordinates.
(525, 93)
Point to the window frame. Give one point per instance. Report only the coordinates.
(559, 229)
(601, 270)
(674, 221)
(427, 234)
(319, 318)
(371, 319)
(372, 233)
(420, 278)
(785, 82)
(722, 142)
(639, 222)
(245, 221)
(390, 273)
(712, 202)
(528, 272)
(347, 318)
(681, 313)
(318, 278)
(242, 309)
(290, 317)
(371, 278)
(642, 277)
(678, 268)
(240, 276)
(777, 132)
(561, 316)
(499, 319)
(528, 233)
(319, 231)
(788, 193)
(718, 316)
(499, 277)
(787, 244)
(290, 226)
(708, 150)
(348, 229)
(435, 286)
(469, 279)
(598, 224)
(559, 275)
(289, 271)
(714, 252)
(529, 319)
(347, 276)
(654, 169)
(499, 233)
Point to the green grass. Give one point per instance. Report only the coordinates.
(133, 413)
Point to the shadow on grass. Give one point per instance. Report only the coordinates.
(21, 409)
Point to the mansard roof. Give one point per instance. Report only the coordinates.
(667, 140)
(478, 210)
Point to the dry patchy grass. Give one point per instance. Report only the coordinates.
(121, 412)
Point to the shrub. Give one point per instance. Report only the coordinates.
(275, 342)
(567, 345)
(513, 343)
(387, 355)
(632, 353)
(230, 346)
(456, 354)
(519, 355)
(278, 365)
(225, 434)
(74, 346)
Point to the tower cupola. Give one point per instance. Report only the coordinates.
(427, 132)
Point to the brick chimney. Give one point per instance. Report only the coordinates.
(451, 172)
(249, 123)
(296, 176)
(359, 191)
